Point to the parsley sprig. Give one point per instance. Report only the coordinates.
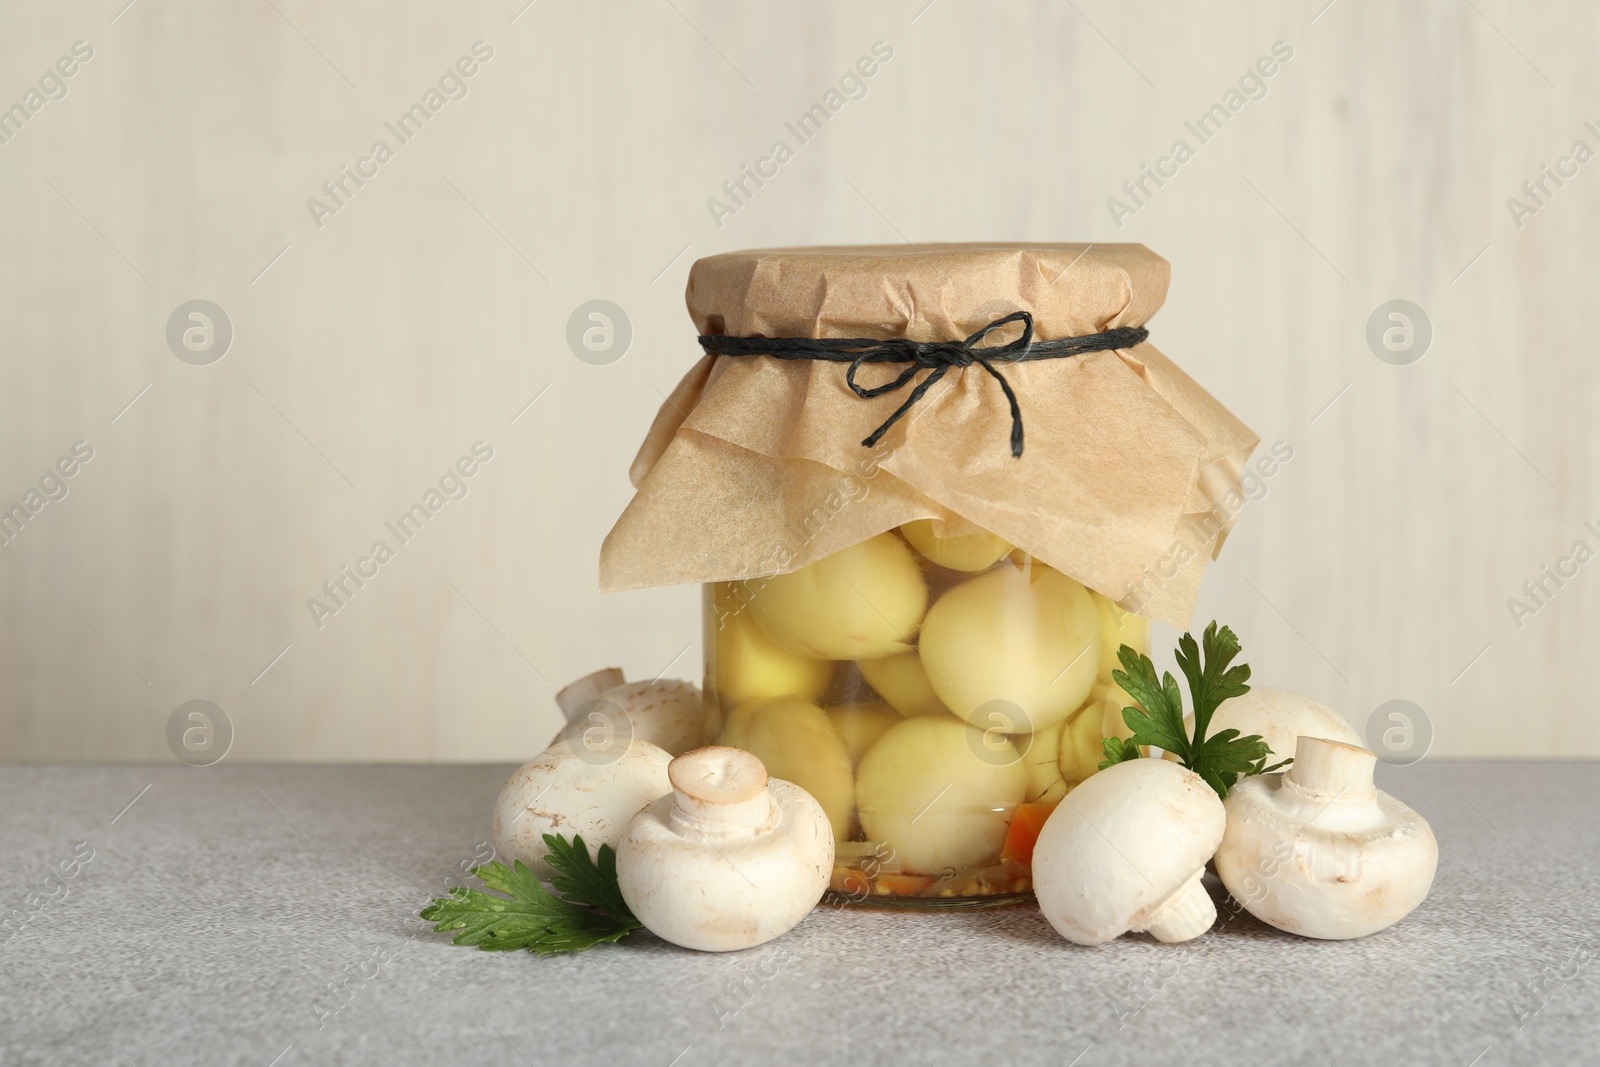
(589, 910)
(1221, 759)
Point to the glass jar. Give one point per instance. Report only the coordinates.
(916, 485)
(937, 695)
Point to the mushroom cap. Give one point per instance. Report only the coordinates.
(903, 683)
(1043, 763)
(1323, 866)
(1118, 627)
(862, 602)
(1030, 637)
(1120, 845)
(924, 789)
(959, 552)
(730, 892)
(561, 792)
(1080, 746)
(667, 713)
(860, 723)
(1279, 716)
(751, 666)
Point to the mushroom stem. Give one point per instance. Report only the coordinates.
(1186, 914)
(720, 792)
(1330, 769)
(585, 689)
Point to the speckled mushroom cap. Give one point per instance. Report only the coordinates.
(561, 792)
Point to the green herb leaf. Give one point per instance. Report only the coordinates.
(1118, 750)
(1213, 683)
(578, 879)
(589, 911)
(1158, 720)
(1161, 717)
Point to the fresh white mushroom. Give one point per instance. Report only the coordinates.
(667, 713)
(752, 666)
(573, 791)
(860, 603)
(1030, 637)
(903, 683)
(1125, 851)
(959, 552)
(926, 791)
(1318, 850)
(729, 859)
(585, 689)
(1279, 716)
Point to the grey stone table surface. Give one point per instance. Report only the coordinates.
(266, 915)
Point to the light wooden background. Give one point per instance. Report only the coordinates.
(370, 353)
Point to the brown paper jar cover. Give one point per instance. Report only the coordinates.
(754, 466)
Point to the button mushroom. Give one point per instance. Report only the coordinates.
(860, 723)
(729, 859)
(1030, 637)
(1117, 628)
(752, 666)
(959, 552)
(1125, 851)
(1046, 783)
(573, 791)
(925, 790)
(576, 694)
(1110, 698)
(667, 713)
(863, 602)
(1080, 747)
(1318, 851)
(1279, 716)
(903, 684)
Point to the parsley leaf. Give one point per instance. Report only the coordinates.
(578, 879)
(589, 910)
(1221, 759)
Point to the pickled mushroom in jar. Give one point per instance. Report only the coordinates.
(1029, 636)
(860, 603)
(1111, 699)
(903, 683)
(924, 790)
(860, 723)
(1080, 749)
(1118, 628)
(796, 741)
(752, 666)
(1043, 761)
(959, 552)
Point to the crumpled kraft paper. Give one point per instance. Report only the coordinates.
(754, 465)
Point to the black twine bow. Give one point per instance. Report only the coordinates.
(935, 356)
